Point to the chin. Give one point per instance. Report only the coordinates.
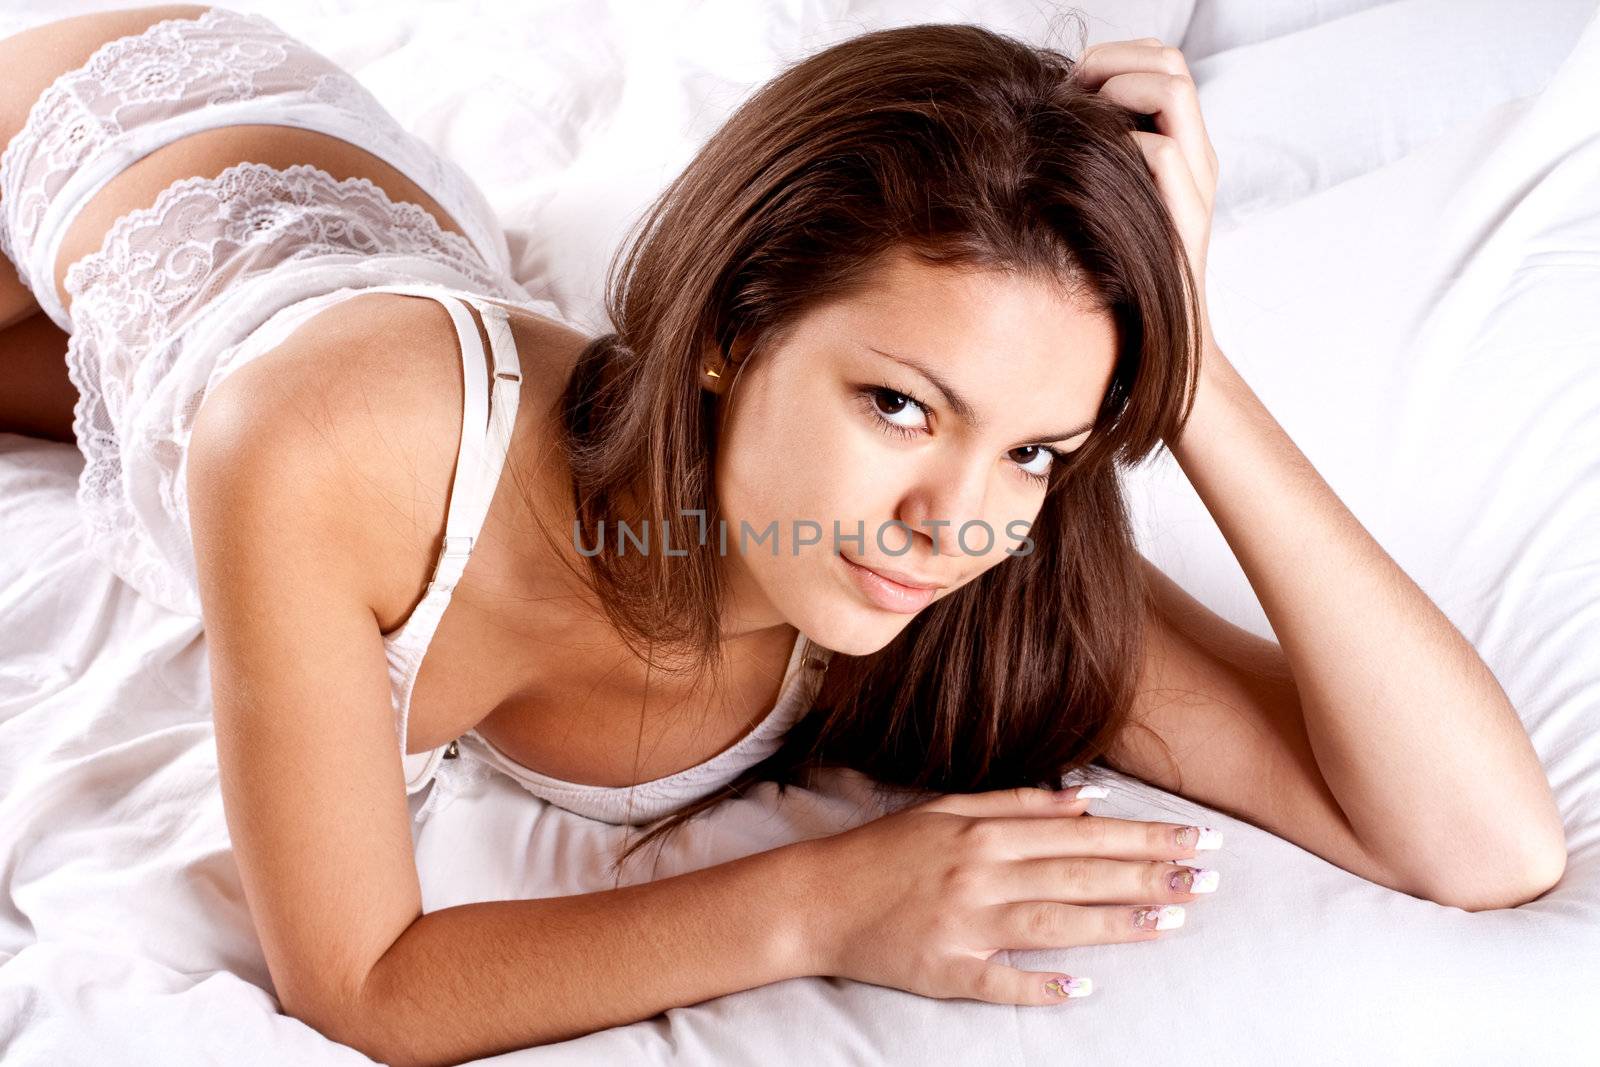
(837, 619)
(857, 642)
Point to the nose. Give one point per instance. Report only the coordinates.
(944, 499)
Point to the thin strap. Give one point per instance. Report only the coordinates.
(476, 479)
(479, 470)
(486, 425)
(484, 443)
(460, 531)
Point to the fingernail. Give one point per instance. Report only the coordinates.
(1195, 880)
(1166, 917)
(1197, 837)
(1068, 986)
(1093, 792)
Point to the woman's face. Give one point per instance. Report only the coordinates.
(920, 416)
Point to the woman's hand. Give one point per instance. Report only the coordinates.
(920, 899)
(1148, 77)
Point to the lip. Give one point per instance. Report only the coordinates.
(889, 593)
(898, 577)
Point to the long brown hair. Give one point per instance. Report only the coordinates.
(971, 149)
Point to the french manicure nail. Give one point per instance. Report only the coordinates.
(1197, 837)
(1068, 986)
(1165, 917)
(1195, 880)
(1093, 792)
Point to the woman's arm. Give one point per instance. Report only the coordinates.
(1426, 756)
(287, 488)
(477, 979)
(1426, 759)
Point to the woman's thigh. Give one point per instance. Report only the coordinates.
(35, 58)
(32, 60)
(37, 396)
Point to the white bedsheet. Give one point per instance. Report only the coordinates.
(1419, 306)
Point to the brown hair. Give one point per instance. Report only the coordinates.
(974, 150)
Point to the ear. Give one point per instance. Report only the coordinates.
(717, 370)
(715, 373)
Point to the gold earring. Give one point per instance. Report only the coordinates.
(709, 373)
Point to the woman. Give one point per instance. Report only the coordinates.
(926, 292)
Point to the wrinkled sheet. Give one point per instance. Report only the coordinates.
(1406, 274)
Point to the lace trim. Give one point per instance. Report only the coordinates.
(182, 66)
(63, 123)
(241, 179)
(160, 268)
(453, 778)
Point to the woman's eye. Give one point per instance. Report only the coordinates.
(1034, 460)
(902, 415)
(897, 409)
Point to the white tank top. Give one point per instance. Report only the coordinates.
(487, 421)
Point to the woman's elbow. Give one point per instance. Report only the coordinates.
(345, 1019)
(1526, 881)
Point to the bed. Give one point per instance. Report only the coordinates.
(1405, 267)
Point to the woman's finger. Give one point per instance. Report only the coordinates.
(1095, 835)
(1099, 61)
(1023, 801)
(1101, 46)
(974, 979)
(1170, 167)
(1099, 880)
(1153, 79)
(1190, 213)
(1099, 65)
(1030, 924)
(1172, 102)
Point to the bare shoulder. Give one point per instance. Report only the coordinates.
(358, 415)
(292, 470)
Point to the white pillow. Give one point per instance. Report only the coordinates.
(1217, 25)
(1040, 23)
(1309, 109)
(573, 115)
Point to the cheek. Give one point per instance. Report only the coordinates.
(814, 458)
(982, 541)
(987, 547)
(783, 461)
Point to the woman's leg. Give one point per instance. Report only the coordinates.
(36, 396)
(32, 60)
(16, 300)
(30, 370)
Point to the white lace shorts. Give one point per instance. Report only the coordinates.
(218, 268)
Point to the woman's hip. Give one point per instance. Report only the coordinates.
(183, 97)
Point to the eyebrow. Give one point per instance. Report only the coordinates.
(958, 403)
